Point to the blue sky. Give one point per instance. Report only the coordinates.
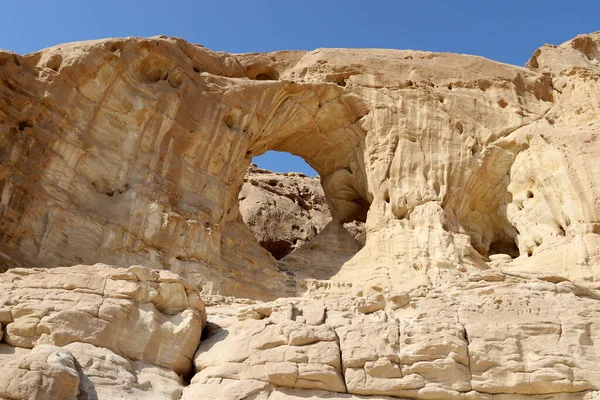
(507, 31)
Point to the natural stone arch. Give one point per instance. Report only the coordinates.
(132, 151)
(320, 124)
(153, 175)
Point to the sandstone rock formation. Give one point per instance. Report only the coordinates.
(472, 270)
(133, 151)
(283, 211)
(494, 336)
(97, 330)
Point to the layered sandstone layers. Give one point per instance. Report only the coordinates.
(100, 332)
(97, 332)
(133, 151)
(493, 336)
(476, 275)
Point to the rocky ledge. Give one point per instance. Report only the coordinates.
(89, 332)
(454, 251)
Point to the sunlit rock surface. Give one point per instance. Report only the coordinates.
(283, 211)
(459, 257)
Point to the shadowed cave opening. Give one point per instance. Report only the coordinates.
(504, 246)
(284, 205)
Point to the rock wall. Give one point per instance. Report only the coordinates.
(434, 151)
(283, 211)
(100, 332)
(97, 332)
(460, 261)
(133, 151)
(494, 336)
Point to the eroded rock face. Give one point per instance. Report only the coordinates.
(494, 336)
(288, 215)
(475, 274)
(449, 158)
(283, 211)
(97, 332)
(46, 372)
(142, 314)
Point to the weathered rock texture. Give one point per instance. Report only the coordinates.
(283, 211)
(494, 336)
(98, 330)
(129, 151)
(477, 274)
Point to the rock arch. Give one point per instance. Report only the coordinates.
(134, 150)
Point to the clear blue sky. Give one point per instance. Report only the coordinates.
(507, 31)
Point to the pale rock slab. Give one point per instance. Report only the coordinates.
(141, 314)
(495, 336)
(106, 375)
(47, 372)
(276, 349)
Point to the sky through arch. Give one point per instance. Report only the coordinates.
(278, 161)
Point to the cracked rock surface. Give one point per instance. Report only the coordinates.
(494, 336)
(453, 252)
(97, 330)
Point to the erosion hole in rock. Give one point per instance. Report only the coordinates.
(153, 69)
(340, 79)
(278, 248)
(262, 72)
(288, 211)
(24, 124)
(54, 62)
(459, 127)
(504, 246)
(283, 210)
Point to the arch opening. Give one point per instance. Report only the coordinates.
(324, 129)
(282, 162)
(285, 209)
(506, 245)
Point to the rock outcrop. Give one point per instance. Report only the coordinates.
(460, 258)
(99, 330)
(494, 336)
(133, 151)
(283, 211)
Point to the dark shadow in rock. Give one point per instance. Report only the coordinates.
(87, 390)
(324, 255)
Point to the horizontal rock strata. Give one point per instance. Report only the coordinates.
(496, 336)
(452, 253)
(100, 330)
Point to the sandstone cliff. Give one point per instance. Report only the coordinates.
(478, 275)
(133, 151)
